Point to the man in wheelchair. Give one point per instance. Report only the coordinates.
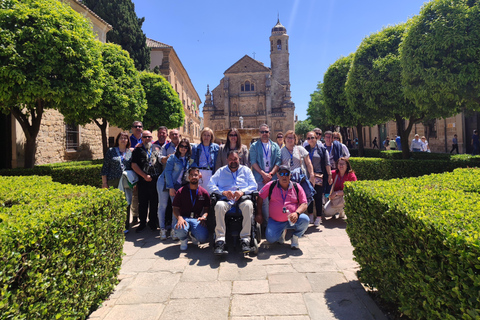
(231, 184)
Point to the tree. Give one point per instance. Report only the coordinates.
(127, 28)
(317, 110)
(303, 127)
(123, 100)
(439, 56)
(338, 108)
(49, 59)
(375, 82)
(164, 106)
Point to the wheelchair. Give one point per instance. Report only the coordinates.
(234, 222)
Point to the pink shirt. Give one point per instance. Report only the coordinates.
(292, 202)
(340, 180)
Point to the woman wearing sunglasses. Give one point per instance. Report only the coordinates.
(234, 142)
(323, 176)
(171, 179)
(296, 157)
(205, 156)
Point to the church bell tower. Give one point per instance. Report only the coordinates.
(279, 56)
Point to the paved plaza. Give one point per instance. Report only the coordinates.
(158, 281)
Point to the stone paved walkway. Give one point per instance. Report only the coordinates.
(158, 281)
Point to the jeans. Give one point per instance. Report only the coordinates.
(275, 228)
(162, 207)
(199, 231)
(147, 202)
(318, 197)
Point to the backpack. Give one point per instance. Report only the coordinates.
(270, 189)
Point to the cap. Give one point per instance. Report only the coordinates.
(283, 167)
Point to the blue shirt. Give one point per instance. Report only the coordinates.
(256, 155)
(134, 141)
(226, 180)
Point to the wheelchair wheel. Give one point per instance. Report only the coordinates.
(258, 232)
(254, 248)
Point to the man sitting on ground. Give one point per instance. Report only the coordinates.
(231, 182)
(188, 205)
(287, 205)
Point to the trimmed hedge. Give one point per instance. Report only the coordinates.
(61, 247)
(417, 241)
(385, 169)
(77, 173)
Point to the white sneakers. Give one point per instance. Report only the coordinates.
(184, 244)
(310, 215)
(294, 242)
(318, 221)
(163, 234)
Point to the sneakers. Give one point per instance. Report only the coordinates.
(219, 248)
(184, 244)
(318, 221)
(163, 234)
(310, 215)
(245, 246)
(173, 234)
(282, 237)
(194, 240)
(342, 215)
(135, 221)
(294, 245)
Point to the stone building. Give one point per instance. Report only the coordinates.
(169, 65)
(57, 141)
(254, 92)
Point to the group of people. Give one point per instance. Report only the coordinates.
(291, 181)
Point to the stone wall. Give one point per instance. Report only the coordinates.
(51, 141)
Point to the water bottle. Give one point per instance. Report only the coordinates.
(287, 212)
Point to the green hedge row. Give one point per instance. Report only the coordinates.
(60, 247)
(385, 169)
(81, 173)
(417, 241)
(397, 155)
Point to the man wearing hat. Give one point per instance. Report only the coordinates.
(287, 205)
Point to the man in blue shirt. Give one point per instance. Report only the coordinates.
(265, 159)
(231, 182)
(136, 137)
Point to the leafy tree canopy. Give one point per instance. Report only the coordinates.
(334, 93)
(302, 127)
(49, 59)
(316, 111)
(127, 28)
(440, 54)
(164, 106)
(123, 100)
(375, 83)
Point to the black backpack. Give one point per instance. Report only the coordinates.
(270, 189)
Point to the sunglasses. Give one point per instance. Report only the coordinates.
(137, 127)
(311, 138)
(284, 174)
(280, 137)
(183, 146)
(147, 137)
(318, 134)
(232, 135)
(336, 138)
(265, 131)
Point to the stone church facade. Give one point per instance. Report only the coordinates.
(254, 92)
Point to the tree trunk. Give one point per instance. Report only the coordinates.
(405, 133)
(361, 150)
(103, 129)
(30, 129)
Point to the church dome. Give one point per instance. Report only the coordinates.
(279, 28)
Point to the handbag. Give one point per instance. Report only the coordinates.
(131, 178)
(338, 201)
(319, 179)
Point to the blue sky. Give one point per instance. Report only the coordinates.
(210, 36)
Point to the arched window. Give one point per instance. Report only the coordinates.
(279, 44)
(247, 86)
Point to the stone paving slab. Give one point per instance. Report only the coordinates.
(158, 281)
